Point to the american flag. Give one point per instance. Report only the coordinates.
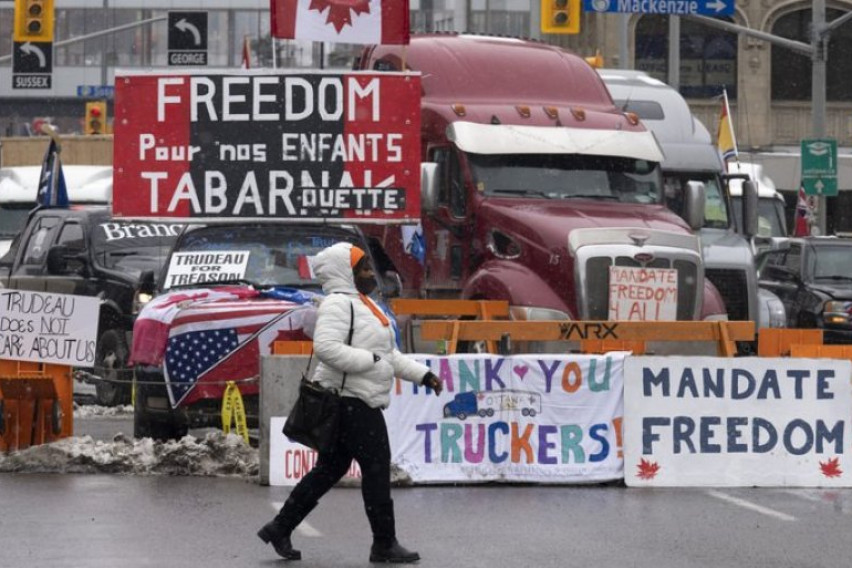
(211, 343)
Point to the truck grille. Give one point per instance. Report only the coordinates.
(733, 287)
(597, 283)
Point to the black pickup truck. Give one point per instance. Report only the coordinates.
(86, 252)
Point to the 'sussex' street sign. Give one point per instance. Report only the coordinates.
(671, 7)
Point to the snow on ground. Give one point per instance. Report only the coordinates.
(96, 411)
(216, 454)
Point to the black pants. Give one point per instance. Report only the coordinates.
(363, 436)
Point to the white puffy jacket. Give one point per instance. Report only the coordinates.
(366, 379)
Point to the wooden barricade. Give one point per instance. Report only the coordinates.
(777, 342)
(292, 347)
(36, 403)
(819, 351)
(480, 309)
(724, 333)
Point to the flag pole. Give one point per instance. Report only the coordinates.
(50, 131)
(731, 126)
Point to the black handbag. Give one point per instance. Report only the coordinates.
(314, 419)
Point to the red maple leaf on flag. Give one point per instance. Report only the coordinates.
(340, 11)
(647, 469)
(831, 468)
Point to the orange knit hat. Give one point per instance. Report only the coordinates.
(355, 256)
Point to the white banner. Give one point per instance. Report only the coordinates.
(289, 461)
(705, 421)
(48, 328)
(530, 418)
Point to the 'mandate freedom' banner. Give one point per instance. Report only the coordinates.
(261, 145)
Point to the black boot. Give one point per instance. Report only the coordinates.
(279, 529)
(271, 532)
(385, 546)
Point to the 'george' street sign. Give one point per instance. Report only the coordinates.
(187, 40)
(819, 167)
(670, 7)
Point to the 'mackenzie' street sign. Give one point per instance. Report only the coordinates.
(672, 7)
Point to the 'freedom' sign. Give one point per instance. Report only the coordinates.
(750, 421)
(268, 145)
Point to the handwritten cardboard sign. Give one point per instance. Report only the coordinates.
(186, 268)
(48, 328)
(642, 294)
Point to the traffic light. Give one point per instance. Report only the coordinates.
(560, 16)
(96, 115)
(33, 20)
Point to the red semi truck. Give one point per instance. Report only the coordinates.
(536, 189)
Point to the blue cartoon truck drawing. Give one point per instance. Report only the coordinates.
(486, 403)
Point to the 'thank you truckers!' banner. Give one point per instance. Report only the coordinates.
(524, 418)
(268, 145)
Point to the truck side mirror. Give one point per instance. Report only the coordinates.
(750, 208)
(57, 262)
(429, 187)
(693, 205)
(391, 284)
(146, 282)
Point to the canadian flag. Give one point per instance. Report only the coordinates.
(342, 21)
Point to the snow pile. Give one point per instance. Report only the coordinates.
(217, 454)
(96, 411)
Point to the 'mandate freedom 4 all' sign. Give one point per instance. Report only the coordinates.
(265, 144)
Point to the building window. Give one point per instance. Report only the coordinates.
(708, 57)
(791, 70)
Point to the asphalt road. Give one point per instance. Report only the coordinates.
(84, 521)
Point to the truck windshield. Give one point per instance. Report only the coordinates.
(278, 254)
(133, 247)
(13, 219)
(716, 213)
(566, 176)
(771, 221)
(830, 263)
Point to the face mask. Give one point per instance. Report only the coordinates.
(365, 285)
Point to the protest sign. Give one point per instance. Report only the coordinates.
(705, 421)
(268, 144)
(48, 328)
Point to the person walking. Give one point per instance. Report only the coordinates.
(370, 362)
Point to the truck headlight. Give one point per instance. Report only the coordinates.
(139, 301)
(529, 313)
(835, 312)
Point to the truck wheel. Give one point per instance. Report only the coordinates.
(489, 412)
(160, 427)
(111, 367)
(461, 416)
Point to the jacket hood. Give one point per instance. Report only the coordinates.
(333, 268)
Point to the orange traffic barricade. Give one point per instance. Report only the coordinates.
(36, 403)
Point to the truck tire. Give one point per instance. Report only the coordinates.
(111, 366)
(154, 425)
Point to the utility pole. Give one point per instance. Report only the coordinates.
(819, 45)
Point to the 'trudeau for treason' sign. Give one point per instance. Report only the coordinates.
(259, 144)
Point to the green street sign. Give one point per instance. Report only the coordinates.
(819, 167)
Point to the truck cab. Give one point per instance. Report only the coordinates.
(536, 188)
(690, 156)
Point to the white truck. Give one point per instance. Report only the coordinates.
(690, 156)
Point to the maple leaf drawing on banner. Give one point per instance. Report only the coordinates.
(340, 11)
(831, 468)
(647, 469)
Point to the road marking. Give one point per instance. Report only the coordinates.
(304, 528)
(753, 506)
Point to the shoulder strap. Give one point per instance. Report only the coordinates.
(349, 338)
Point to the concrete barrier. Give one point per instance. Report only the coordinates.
(279, 387)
